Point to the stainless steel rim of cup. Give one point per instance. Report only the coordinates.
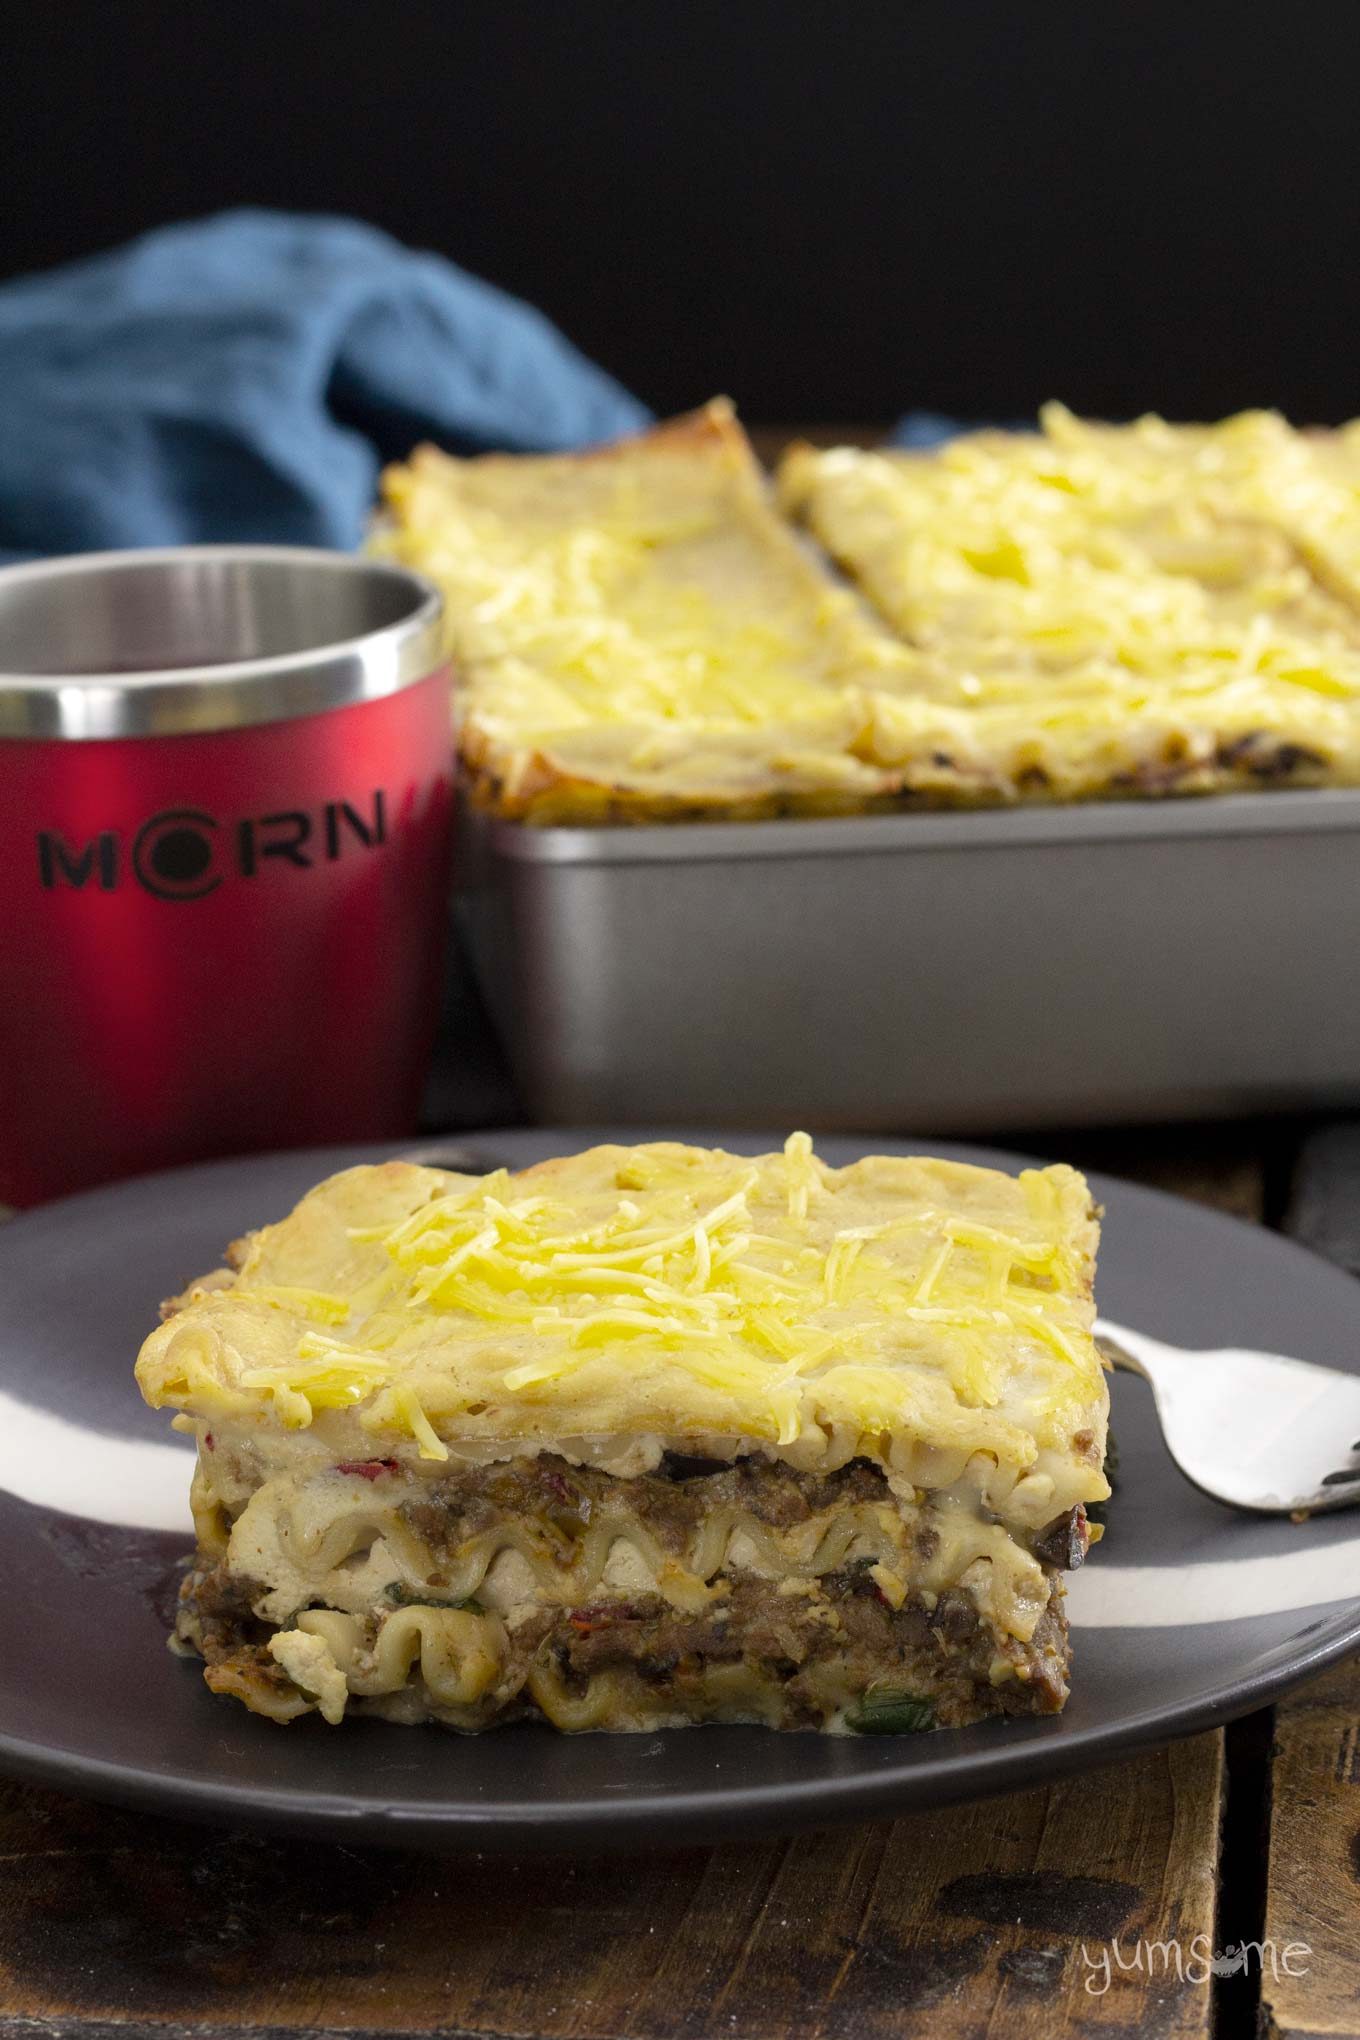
(199, 638)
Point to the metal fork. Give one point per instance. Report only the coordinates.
(1261, 1432)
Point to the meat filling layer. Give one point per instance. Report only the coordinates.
(849, 1647)
(809, 1656)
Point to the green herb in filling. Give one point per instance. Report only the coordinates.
(885, 1712)
(401, 1596)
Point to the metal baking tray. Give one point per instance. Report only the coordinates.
(938, 972)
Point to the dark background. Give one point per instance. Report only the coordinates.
(833, 211)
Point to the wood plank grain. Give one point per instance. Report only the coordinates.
(1314, 1890)
(993, 1918)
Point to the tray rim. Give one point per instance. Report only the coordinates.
(1300, 811)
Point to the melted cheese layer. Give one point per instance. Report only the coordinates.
(931, 1317)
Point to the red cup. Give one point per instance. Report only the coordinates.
(225, 810)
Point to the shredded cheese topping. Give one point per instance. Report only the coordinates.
(1085, 609)
(912, 1311)
(1093, 599)
(641, 626)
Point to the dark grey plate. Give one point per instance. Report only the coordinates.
(91, 1699)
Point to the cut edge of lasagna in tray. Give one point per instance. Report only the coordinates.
(642, 1437)
(638, 634)
(1084, 612)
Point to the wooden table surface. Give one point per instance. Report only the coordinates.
(998, 1919)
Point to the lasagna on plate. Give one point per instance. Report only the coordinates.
(648, 1436)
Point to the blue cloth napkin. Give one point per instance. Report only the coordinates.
(920, 430)
(244, 377)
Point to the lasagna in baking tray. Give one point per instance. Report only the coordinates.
(1092, 610)
(648, 1436)
(1087, 611)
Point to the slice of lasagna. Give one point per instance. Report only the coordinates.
(644, 1437)
(637, 634)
